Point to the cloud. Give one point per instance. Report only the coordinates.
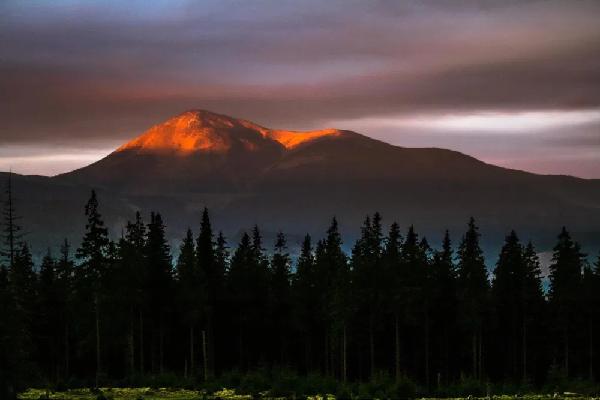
(83, 73)
(492, 122)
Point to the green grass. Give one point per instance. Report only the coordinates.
(225, 394)
(129, 394)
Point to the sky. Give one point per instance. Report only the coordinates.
(514, 83)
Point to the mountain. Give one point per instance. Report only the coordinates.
(296, 181)
(197, 151)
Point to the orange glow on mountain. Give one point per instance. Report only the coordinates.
(291, 139)
(203, 131)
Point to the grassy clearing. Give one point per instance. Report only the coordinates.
(225, 394)
(129, 394)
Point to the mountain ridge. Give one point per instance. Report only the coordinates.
(297, 188)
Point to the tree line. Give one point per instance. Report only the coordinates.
(115, 311)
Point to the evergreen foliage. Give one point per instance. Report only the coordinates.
(394, 310)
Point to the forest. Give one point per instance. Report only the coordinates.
(397, 315)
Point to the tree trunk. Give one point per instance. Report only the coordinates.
(427, 351)
(161, 345)
(326, 354)
(130, 345)
(67, 361)
(241, 344)
(141, 343)
(474, 353)
(591, 350)
(204, 355)
(371, 348)
(210, 342)
(97, 314)
(446, 355)
(567, 352)
(397, 346)
(192, 350)
(344, 360)
(480, 355)
(307, 362)
(524, 349)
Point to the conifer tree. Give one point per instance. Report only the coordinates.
(190, 291)
(48, 336)
(132, 277)
(221, 319)
(565, 290)
(93, 251)
(508, 276)
(65, 280)
(413, 286)
(590, 303)
(14, 350)
(593, 299)
(23, 282)
(159, 287)
(11, 233)
(533, 307)
(392, 290)
(93, 255)
(473, 293)
(368, 272)
(337, 281)
(212, 284)
(306, 300)
(280, 296)
(444, 303)
(222, 257)
(242, 281)
(21, 307)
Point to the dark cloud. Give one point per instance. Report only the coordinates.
(96, 73)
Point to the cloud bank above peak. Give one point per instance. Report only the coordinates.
(96, 74)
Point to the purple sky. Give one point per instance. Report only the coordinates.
(514, 83)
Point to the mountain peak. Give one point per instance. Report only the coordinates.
(204, 131)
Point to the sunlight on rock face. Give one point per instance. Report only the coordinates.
(199, 130)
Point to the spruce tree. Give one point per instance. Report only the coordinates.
(190, 292)
(14, 348)
(337, 279)
(443, 305)
(367, 268)
(533, 308)
(221, 316)
(280, 297)
(65, 281)
(222, 257)
(132, 277)
(473, 293)
(509, 277)
(242, 283)
(93, 255)
(414, 291)
(565, 290)
(392, 290)
(11, 233)
(158, 287)
(306, 302)
(23, 282)
(212, 284)
(49, 333)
